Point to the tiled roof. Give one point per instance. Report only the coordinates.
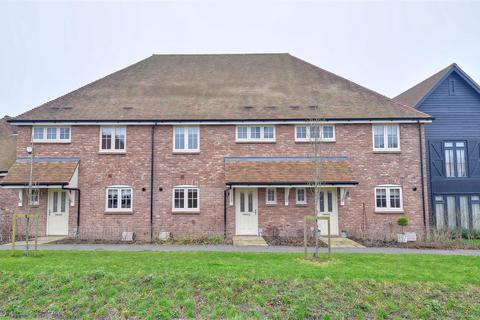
(286, 170)
(45, 172)
(7, 145)
(413, 95)
(221, 87)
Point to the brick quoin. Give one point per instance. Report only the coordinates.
(206, 170)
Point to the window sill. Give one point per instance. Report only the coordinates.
(301, 204)
(186, 213)
(52, 142)
(186, 152)
(390, 211)
(111, 152)
(387, 151)
(310, 141)
(254, 141)
(118, 213)
(271, 204)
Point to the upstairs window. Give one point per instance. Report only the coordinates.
(113, 139)
(455, 159)
(51, 134)
(255, 134)
(186, 198)
(388, 198)
(451, 87)
(386, 137)
(186, 139)
(119, 199)
(271, 196)
(304, 133)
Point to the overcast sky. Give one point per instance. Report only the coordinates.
(49, 49)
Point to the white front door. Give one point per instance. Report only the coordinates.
(328, 207)
(246, 208)
(57, 212)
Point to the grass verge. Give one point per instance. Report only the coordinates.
(107, 284)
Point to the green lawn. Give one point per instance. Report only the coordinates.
(141, 285)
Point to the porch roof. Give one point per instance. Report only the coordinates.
(287, 171)
(46, 172)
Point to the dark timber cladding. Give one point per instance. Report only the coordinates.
(453, 145)
(220, 87)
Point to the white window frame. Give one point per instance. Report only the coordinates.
(307, 133)
(388, 188)
(57, 134)
(262, 134)
(37, 202)
(274, 201)
(304, 195)
(385, 137)
(119, 205)
(112, 147)
(185, 141)
(185, 189)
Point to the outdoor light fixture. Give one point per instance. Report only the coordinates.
(29, 150)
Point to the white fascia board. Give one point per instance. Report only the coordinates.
(198, 123)
(290, 186)
(36, 187)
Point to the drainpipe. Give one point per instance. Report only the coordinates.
(152, 159)
(78, 206)
(225, 214)
(422, 175)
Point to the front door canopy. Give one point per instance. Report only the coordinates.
(46, 173)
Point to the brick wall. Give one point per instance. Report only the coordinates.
(206, 170)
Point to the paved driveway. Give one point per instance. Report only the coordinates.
(229, 248)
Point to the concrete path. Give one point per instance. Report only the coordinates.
(229, 248)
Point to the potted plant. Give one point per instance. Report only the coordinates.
(402, 237)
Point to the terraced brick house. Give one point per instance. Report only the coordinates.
(453, 140)
(203, 145)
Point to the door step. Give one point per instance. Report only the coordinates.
(339, 242)
(249, 241)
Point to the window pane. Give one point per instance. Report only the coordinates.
(64, 133)
(464, 212)
(327, 132)
(451, 212)
(475, 215)
(192, 198)
(449, 165)
(112, 198)
(193, 138)
(126, 198)
(314, 132)
(301, 132)
(381, 198)
(107, 138)
(242, 132)
(395, 198)
(461, 168)
(270, 195)
(330, 201)
(35, 197)
(179, 138)
(322, 201)
(55, 201)
(255, 132)
(250, 202)
(63, 204)
(119, 138)
(460, 144)
(268, 132)
(242, 201)
(440, 213)
(378, 133)
(38, 133)
(392, 132)
(300, 195)
(51, 133)
(179, 196)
